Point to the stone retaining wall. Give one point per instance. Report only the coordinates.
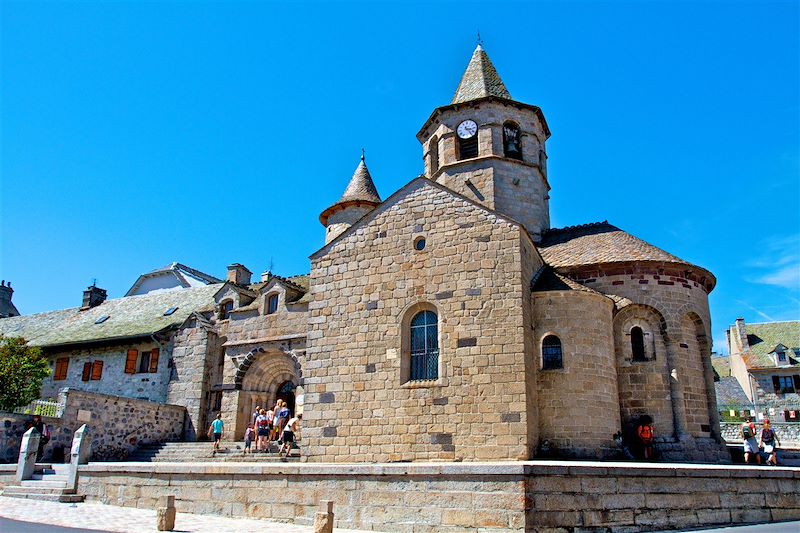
(461, 497)
(117, 426)
(788, 432)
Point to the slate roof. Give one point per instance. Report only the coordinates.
(361, 189)
(129, 317)
(550, 280)
(721, 365)
(596, 243)
(480, 80)
(730, 393)
(763, 338)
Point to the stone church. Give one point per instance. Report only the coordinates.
(450, 322)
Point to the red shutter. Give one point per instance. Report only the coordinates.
(130, 362)
(61, 369)
(97, 370)
(154, 361)
(776, 383)
(87, 371)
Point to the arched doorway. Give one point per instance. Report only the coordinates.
(268, 376)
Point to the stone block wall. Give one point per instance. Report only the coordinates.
(364, 290)
(579, 403)
(788, 433)
(459, 498)
(151, 386)
(195, 348)
(117, 426)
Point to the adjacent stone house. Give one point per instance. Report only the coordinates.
(448, 321)
(765, 360)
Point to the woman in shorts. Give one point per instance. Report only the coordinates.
(262, 431)
(768, 441)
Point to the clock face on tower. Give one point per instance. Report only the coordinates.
(467, 129)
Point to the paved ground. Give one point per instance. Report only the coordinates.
(109, 518)
(782, 527)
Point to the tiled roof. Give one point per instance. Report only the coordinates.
(596, 243)
(730, 394)
(722, 366)
(763, 338)
(361, 189)
(480, 80)
(550, 280)
(131, 316)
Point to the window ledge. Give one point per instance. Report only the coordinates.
(427, 384)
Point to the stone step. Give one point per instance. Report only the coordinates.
(27, 488)
(14, 492)
(43, 484)
(50, 477)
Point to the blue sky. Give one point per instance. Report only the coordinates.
(135, 134)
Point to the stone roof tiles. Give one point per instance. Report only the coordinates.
(550, 280)
(730, 394)
(360, 190)
(129, 317)
(596, 243)
(480, 80)
(763, 338)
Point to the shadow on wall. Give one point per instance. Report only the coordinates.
(117, 426)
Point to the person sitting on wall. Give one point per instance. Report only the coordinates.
(646, 434)
(768, 441)
(215, 430)
(748, 434)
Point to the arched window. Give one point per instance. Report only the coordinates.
(225, 309)
(512, 141)
(637, 344)
(433, 153)
(424, 337)
(551, 353)
(272, 303)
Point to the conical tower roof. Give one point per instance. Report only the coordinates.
(480, 80)
(360, 191)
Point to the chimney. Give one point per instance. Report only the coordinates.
(238, 274)
(7, 308)
(266, 275)
(92, 297)
(742, 333)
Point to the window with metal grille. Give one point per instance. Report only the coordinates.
(637, 344)
(512, 142)
(551, 353)
(272, 304)
(468, 148)
(424, 346)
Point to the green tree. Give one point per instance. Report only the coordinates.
(22, 369)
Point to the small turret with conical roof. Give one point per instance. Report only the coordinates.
(359, 198)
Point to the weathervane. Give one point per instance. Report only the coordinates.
(480, 41)
(362, 154)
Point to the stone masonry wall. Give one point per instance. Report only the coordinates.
(189, 384)
(117, 425)
(579, 403)
(144, 386)
(364, 290)
(461, 497)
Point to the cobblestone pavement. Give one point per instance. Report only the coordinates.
(102, 517)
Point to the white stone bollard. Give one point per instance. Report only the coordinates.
(27, 454)
(78, 453)
(165, 514)
(323, 520)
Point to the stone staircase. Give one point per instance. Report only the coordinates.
(49, 483)
(190, 452)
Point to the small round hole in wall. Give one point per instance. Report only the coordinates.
(419, 243)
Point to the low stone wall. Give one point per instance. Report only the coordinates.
(117, 426)
(788, 432)
(461, 497)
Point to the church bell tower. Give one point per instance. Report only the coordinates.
(490, 148)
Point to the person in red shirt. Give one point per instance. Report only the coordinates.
(646, 435)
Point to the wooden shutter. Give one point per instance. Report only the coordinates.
(97, 370)
(154, 360)
(61, 368)
(776, 383)
(130, 362)
(87, 371)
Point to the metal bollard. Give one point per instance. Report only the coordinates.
(165, 513)
(323, 520)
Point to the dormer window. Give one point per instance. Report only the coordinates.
(225, 309)
(781, 357)
(512, 141)
(272, 303)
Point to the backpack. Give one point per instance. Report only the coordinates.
(262, 422)
(647, 432)
(747, 431)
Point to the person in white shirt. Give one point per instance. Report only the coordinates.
(287, 437)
